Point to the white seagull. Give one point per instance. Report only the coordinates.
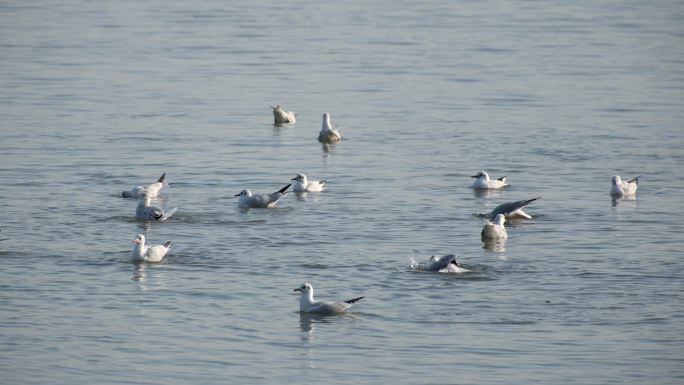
(302, 184)
(621, 188)
(151, 253)
(152, 190)
(513, 210)
(445, 264)
(147, 212)
(494, 231)
(328, 134)
(249, 200)
(281, 116)
(307, 303)
(482, 181)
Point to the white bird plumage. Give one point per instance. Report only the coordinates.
(258, 201)
(307, 303)
(513, 210)
(148, 253)
(281, 116)
(621, 188)
(152, 189)
(495, 231)
(482, 181)
(302, 184)
(328, 134)
(145, 211)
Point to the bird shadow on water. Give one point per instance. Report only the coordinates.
(308, 321)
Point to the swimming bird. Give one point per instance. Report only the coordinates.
(482, 181)
(328, 134)
(147, 212)
(281, 116)
(307, 303)
(445, 264)
(302, 184)
(152, 189)
(621, 188)
(255, 201)
(148, 253)
(513, 210)
(494, 231)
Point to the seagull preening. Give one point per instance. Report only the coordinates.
(495, 231)
(482, 181)
(152, 190)
(328, 134)
(151, 253)
(281, 116)
(621, 188)
(302, 184)
(307, 303)
(145, 211)
(258, 201)
(513, 210)
(444, 264)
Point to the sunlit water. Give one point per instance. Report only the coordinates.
(97, 97)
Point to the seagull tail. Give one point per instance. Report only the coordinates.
(502, 179)
(161, 178)
(167, 244)
(635, 179)
(351, 301)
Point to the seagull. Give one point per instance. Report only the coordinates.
(145, 253)
(281, 116)
(483, 182)
(249, 200)
(513, 209)
(621, 188)
(152, 190)
(445, 264)
(328, 134)
(495, 230)
(304, 185)
(307, 304)
(147, 212)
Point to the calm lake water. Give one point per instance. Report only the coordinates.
(97, 97)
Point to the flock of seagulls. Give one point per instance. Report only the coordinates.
(493, 230)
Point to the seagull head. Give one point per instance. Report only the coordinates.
(139, 239)
(616, 180)
(304, 288)
(244, 193)
(299, 177)
(481, 174)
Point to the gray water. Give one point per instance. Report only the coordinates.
(97, 97)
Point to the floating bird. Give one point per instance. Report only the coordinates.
(281, 116)
(483, 182)
(307, 304)
(152, 190)
(256, 201)
(513, 210)
(621, 188)
(147, 212)
(328, 134)
(445, 264)
(302, 184)
(495, 231)
(151, 253)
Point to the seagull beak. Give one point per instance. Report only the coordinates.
(297, 289)
(136, 241)
(237, 195)
(474, 176)
(294, 178)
